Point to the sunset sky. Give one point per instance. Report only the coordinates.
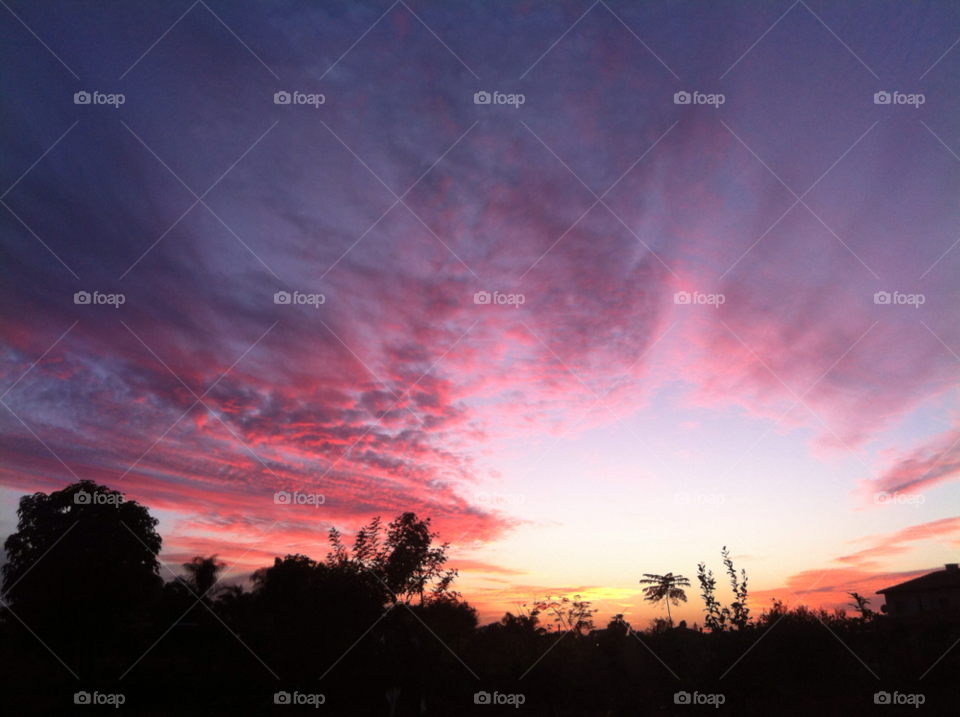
(597, 431)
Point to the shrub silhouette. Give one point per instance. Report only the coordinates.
(384, 618)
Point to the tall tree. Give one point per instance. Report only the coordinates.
(202, 575)
(405, 564)
(668, 588)
(83, 563)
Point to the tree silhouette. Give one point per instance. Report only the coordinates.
(85, 548)
(383, 619)
(718, 616)
(861, 604)
(202, 575)
(309, 613)
(404, 564)
(83, 573)
(739, 612)
(667, 587)
(574, 615)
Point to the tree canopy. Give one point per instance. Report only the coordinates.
(82, 550)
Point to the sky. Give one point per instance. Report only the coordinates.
(694, 348)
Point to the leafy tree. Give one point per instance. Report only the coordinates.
(861, 604)
(83, 550)
(618, 625)
(739, 612)
(574, 615)
(769, 618)
(523, 623)
(659, 626)
(668, 588)
(308, 613)
(202, 575)
(405, 563)
(719, 616)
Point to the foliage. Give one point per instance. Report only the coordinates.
(323, 627)
(203, 575)
(574, 615)
(404, 563)
(82, 549)
(739, 612)
(719, 617)
(668, 588)
(861, 604)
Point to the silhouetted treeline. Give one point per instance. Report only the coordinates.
(378, 629)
